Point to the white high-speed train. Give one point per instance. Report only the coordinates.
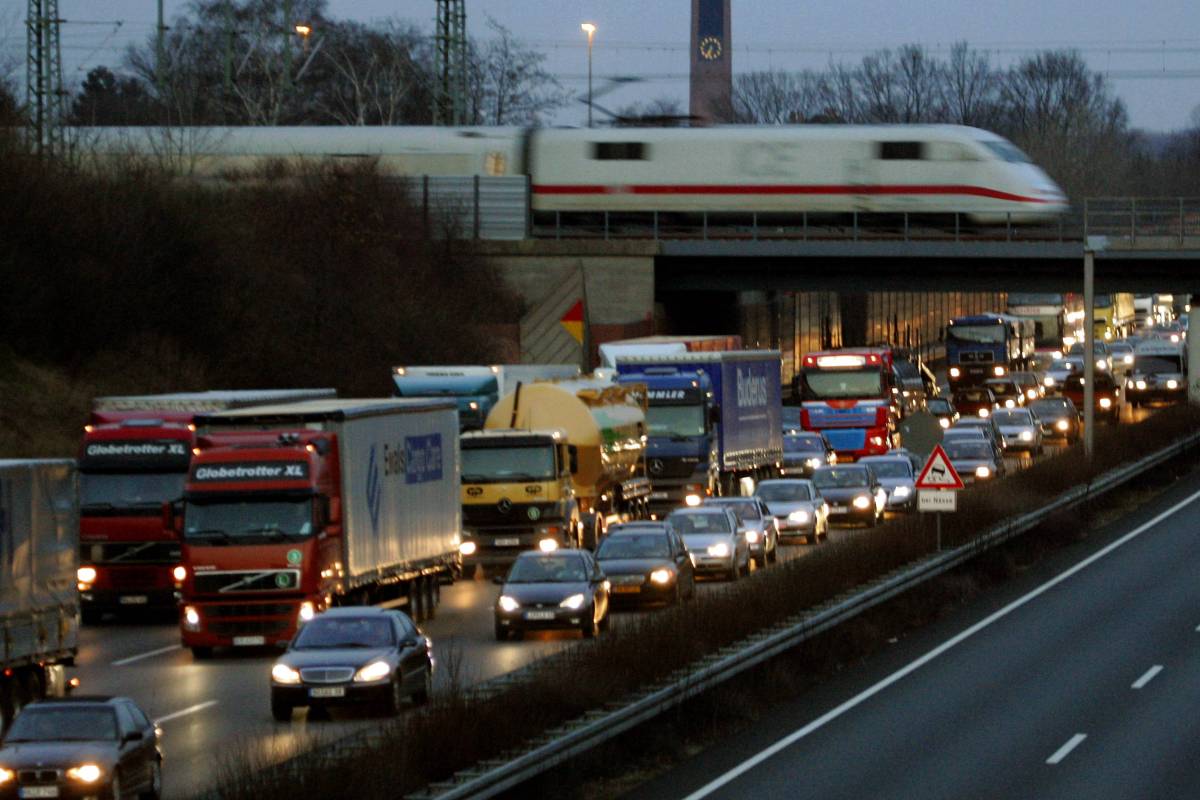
(921, 169)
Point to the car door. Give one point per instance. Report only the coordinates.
(410, 651)
(683, 560)
(135, 750)
(770, 529)
(599, 586)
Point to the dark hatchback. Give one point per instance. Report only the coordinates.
(975, 402)
(565, 589)
(646, 563)
(349, 656)
(853, 492)
(1058, 417)
(81, 747)
(805, 451)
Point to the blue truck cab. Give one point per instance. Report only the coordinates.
(713, 418)
(985, 346)
(474, 389)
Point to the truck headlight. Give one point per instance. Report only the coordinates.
(85, 773)
(1105, 402)
(307, 611)
(983, 472)
(1172, 384)
(508, 603)
(375, 671)
(718, 550)
(998, 371)
(1062, 425)
(661, 576)
(1141, 386)
(955, 372)
(574, 602)
(798, 516)
(282, 673)
(548, 545)
(191, 618)
(812, 463)
(692, 500)
(86, 575)
(1026, 436)
(468, 548)
(983, 412)
(862, 501)
(179, 573)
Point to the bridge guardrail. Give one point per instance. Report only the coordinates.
(597, 727)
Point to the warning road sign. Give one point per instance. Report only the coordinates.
(939, 472)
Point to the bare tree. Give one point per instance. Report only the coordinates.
(509, 84)
(970, 88)
(777, 97)
(376, 76)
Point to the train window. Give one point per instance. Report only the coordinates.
(901, 151)
(619, 151)
(1007, 151)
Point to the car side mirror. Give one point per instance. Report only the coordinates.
(133, 736)
(498, 580)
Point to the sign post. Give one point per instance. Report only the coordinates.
(936, 487)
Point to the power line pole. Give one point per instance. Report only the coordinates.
(450, 41)
(160, 49)
(43, 75)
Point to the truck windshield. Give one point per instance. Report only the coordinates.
(844, 383)
(976, 334)
(675, 420)
(501, 464)
(248, 519)
(115, 490)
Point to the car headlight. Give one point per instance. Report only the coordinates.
(955, 372)
(718, 550)
(660, 576)
(1102, 364)
(282, 673)
(1048, 380)
(508, 603)
(1010, 403)
(985, 413)
(862, 501)
(901, 492)
(1056, 355)
(1128, 359)
(191, 618)
(1141, 385)
(86, 574)
(307, 611)
(944, 422)
(1105, 402)
(1172, 384)
(812, 462)
(798, 516)
(574, 602)
(1062, 425)
(982, 472)
(468, 548)
(1031, 394)
(998, 372)
(1026, 436)
(375, 671)
(6, 775)
(548, 545)
(85, 773)
(692, 500)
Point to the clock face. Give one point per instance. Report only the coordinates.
(710, 48)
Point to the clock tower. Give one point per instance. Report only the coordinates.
(711, 96)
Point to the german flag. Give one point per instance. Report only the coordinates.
(573, 321)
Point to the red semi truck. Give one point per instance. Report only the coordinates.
(134, 456)
(291, 509)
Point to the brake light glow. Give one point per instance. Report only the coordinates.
(834, 362)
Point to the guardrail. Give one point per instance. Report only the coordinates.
(596, 727)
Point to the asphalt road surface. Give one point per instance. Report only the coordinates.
(1079, 680)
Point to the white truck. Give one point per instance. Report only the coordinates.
(476, 389)
(39, 600)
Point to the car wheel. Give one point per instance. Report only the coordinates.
(501, 633)
(605, 621)
(202, 653)
(395, 701)
(589, 628)
(773, 556)
(154, 792)
(734, 573)
(677, 595)
(280, 710)
(421, 696)
(114, 788)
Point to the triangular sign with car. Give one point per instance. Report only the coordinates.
(938, 472)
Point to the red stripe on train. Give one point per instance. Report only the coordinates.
(808, 189)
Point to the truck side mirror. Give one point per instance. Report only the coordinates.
(172, 517)
(714, 415)
(573, 458)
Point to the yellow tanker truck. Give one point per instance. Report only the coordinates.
(554, 463)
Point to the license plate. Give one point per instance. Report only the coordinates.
(658, 495)
(839, 511)
(328, 691)
(626, 589)
(507, 541)
(248, 641)
(38, 791)
(134, 600)
(539, 615)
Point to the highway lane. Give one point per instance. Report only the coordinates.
(1084, 687)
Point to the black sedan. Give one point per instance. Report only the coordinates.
(81, 747)
(853, 492)
(564, 589)
(646, 563)
(349, 656)
(804, 451)
(1058, 417)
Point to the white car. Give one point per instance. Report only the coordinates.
(1020, 429)
(712, 537)
(798, 508)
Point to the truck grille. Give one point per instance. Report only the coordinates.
(139, 577)
(252, 610)
(327, 674)
(512, 514)
(976, 357)
(250, 627)
(249, 581)
(670, 468)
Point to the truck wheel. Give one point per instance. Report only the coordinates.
(281, 711)
(591, 531)
(202, 653)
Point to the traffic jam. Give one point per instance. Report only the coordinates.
(314, 537)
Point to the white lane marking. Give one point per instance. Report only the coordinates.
(1149, 676)
(185, 711)
(1066, 749)
(904, 672)
(150, 654)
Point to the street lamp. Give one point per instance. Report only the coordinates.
(304, 31)
(590, 30)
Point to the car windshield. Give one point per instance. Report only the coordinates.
(968, 451)
(337, 632)
(784, 492)
(991, 333)
(503, 464)
(742, 509)
(803, 444)
(63, 724)
(548, 569)
(964, 433)
(634, 545)
(1051, 408)
(688, 523)
(833, 384)
(1005, 389)
(938, 405)
(976, 396)
(675, 420)
(240, 520)
(1013, 417)
(839, 478)
(129, 490)
(892, 468)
